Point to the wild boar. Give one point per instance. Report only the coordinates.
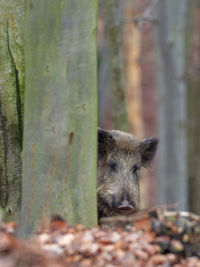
(120, 158)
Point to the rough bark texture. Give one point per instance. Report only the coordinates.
(59, 156)
(112, 13)
(193, 96)
(11, 104)
(170, 49)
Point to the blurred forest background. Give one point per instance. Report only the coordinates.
(148, 82)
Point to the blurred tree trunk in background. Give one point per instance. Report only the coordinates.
(132, 67)
(193, 82)
(104, 118)
(11, 101)
(60, 138)
(170, 72)
(132, 45)
(112, 14)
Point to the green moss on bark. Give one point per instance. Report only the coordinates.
(11, 105)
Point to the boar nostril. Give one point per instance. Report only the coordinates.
(125, 206)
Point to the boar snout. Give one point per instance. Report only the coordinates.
(125, 206)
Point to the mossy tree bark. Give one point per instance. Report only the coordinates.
(60, 139)
(112, 13)
(11, 105)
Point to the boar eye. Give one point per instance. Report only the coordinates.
(112, 165)
(135, 168)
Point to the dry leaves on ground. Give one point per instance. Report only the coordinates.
(150, 238)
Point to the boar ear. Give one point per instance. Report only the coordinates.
(105, 142)
(148, 150)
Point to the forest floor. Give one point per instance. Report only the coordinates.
(153, 237)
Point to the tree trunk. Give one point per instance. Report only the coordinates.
(60, 138)
(132, 45)
(104, 119)
(132, 66)
(170, 49)
(11, 105)
(193, 82)
(112, 11)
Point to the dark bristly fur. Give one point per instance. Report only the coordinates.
(120, 157)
